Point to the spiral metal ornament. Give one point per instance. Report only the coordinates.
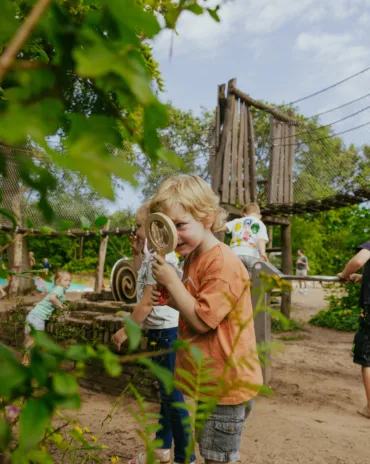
(123, 281)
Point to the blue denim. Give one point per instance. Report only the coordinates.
(171, 418)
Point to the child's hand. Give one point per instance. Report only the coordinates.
(355, 278)
(136, 244)
(118, 338)
(342, 277)
(163, 272)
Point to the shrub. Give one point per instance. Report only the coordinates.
(343, 311)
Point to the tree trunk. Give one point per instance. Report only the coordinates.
(13, 194)
(19, 262)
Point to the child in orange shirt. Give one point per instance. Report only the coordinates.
(213, 299)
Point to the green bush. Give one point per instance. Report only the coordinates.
(343, 311)
(289, 325)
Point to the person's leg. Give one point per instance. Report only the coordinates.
(366, 379)
(172, 418)
(220, 438)
(2, 293)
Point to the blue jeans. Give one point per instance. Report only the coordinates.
(171, 418)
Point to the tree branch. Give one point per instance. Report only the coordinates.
(8, 57)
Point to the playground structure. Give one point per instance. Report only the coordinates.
(239, 174)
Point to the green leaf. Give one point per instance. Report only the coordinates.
(214, 13)
(163, 375)
(171, 158)
(101, 221)
(195, 8)
(110, 360)
(64, 384)
(9, 215)
(5, 434)
(134, 334)
(70, 402)
(12, 374)
(35, 416)
(22, 121)
(65, 225)
(80, 353)
(3, 273)
(85, 223)
(8, 22)
(29, 223)
(46, 230)
(43, 341)
(39, 457)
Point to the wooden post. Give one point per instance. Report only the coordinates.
(99, 279)
(247, 185)
(226, 128)
(287, 266)
(80, 254)
(234, 154)
(252, 157)
(291, 155)
(240, 156)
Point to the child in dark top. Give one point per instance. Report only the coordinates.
(362, 337)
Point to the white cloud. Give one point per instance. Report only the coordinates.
(267, 16)
(364, 19)
(334, 49)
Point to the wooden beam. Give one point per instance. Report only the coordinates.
(71, 232)
(272, 220)
(279, 115)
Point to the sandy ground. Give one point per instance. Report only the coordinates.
(310, 418)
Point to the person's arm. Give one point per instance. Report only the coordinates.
(139, 314)
(261, 246)
(55, 301)
(354, 264)
(166, 275)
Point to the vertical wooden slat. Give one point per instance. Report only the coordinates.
(291, 155)
(234, 154)
(286, 187)
(212, 151)
(252, 157)
(240, 155)
(226, 170)
(226, 127)
(281, 143)
(274, 160)
(247, 187)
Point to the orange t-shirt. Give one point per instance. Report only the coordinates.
(220, 283)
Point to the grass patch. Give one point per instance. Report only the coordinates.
(292, 338)
(290, 325)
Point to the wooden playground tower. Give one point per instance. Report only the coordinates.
(233, 164)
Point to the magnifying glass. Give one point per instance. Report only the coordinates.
(161, 234)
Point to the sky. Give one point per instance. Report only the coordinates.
(278, 51)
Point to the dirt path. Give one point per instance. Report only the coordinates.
(310, 418)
